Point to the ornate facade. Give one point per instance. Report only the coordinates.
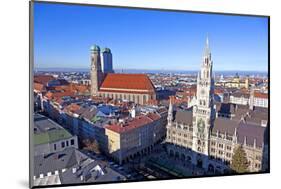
(202, 137)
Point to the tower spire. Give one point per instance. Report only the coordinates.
(170, 113)
(207, 46)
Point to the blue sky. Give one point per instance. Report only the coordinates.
(142, 39)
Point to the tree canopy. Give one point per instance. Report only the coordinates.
(239, 162)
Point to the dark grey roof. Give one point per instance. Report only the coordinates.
(255, 116)
(229, 108)
(225, 108)
(225, 125)
(43, 124)
(89, 112)
(183, 116)
(91, 171)
(244, 129)
(57, 161)
(251, 132)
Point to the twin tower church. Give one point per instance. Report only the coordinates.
(132, 87)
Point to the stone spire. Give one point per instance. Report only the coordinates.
(170, 112)
(207, 47)
(255, 143)
(245, 140)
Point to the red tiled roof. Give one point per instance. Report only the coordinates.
(218, 91)
(153, 116)
(115, 82)
(38, 87)
(137, 122)
(260, 95)
(43, 79)
(72, 88)
(54, 95)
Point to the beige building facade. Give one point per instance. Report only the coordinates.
(135, 137)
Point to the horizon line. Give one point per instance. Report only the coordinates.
(145, 69)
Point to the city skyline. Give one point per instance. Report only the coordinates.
(139, 42)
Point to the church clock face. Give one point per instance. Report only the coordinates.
(201, 125)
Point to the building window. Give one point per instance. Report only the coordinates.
(67, 144)
(55, 147)
(228, 155)
(220, 145)
(257, 165)
(228, 147)
(62, 144)
(72, 142)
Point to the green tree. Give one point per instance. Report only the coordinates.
(239, 162)
(91, 145)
